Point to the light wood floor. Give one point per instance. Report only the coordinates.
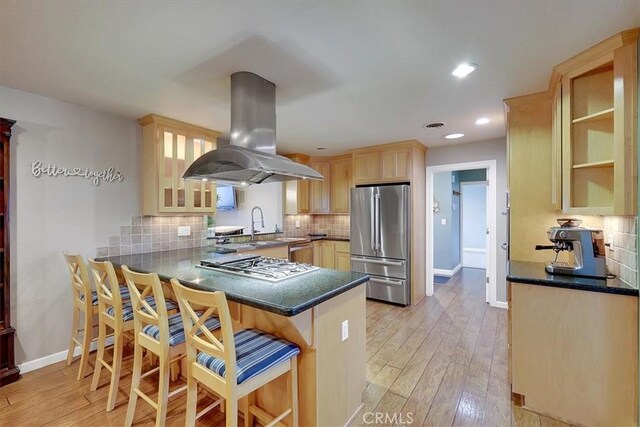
(442, 362)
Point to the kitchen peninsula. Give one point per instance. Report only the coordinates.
(309, 310)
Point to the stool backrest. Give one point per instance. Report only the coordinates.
(80, 283)
(141, 286)
(107, 288)
(197, 337)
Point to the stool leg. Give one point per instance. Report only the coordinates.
(75, 325)
(87, 337)
(163, 390)
(135, 384)
(116, 366)
(293, 378)
(248, 416)
(102, 332)
(192, 401)
(232, 411)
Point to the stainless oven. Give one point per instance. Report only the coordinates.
(301, 252)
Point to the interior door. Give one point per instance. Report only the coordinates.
(362, 221)
(393, 221)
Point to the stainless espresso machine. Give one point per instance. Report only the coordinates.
(586, 245)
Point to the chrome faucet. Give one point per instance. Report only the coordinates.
(253, 222)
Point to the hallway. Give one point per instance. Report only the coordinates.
(443, 362)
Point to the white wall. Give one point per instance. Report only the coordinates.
(483, 150)
(266, 196)
(51, 215)
(474, 224)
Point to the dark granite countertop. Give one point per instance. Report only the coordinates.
(533, 273)
(288, 297)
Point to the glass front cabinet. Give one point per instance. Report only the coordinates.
(168, 148)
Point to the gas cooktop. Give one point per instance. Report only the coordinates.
(270, 269)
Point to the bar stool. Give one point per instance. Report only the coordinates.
(111, 314)
(235, 366)
(158, 333)
(85, 303)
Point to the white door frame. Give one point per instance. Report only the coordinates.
(492, 209)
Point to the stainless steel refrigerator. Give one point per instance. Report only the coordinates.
(380, 243)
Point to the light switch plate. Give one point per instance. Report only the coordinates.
(297, 223)
(184, 231)
(443, 221)
(345, 330)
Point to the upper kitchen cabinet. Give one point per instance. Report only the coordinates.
(297, 200)
(341, 183)
(320, 191)
(386, 163)
(598, 128)
(168, 148)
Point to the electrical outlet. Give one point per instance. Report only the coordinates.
(443, 221)
(297, 223)
(184, 231)
(345, 330)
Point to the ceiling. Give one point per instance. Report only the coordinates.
(349, 74)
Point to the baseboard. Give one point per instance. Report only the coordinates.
(500, 304)
(446, 273)
(32, 365)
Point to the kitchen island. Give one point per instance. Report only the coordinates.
(309, 310)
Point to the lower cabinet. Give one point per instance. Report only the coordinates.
(332, 254)
(574, 354)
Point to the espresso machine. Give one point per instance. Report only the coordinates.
(586, 245)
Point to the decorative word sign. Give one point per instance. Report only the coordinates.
(107, 175)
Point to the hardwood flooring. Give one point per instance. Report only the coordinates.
(442, 362)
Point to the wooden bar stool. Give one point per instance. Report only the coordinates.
(111, 314)
(85, 303)
(236, 366)
(158, 333)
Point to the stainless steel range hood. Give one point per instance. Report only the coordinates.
(251, 157)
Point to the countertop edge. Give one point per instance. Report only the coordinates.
(573, 286)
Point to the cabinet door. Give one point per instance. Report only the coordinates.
(340, 185)
(328, 254)
(396, 164)
(320, 190)
(297, 194)
(317, 254)
(203, 195)
(343, 261)
(556, 150)
(366, 167)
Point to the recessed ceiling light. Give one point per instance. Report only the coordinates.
(483, 121)
(454, 135)
(321, 148)
(463, 70)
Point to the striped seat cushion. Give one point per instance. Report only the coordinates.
(127, 307)
(256, 351)
(176, 329)
(124, 294)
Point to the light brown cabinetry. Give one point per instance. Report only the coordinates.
(332, 254)
(383, 164)
(297, 200)
(598, 127)
(168, 148)
(341, 179)
(574, 353)
(320, 191)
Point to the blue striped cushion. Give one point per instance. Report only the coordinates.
(176, 329)
(124, 294)
(256, 351)
(127, 307)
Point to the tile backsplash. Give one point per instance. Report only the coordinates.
(621, 233)
(154, 233)
(334, 225)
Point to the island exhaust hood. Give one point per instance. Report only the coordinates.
(251, 156)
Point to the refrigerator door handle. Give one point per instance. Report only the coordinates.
(375, 261)
(373, 223)
(378, 231)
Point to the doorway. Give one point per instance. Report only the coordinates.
(473, 228)
(434, 219)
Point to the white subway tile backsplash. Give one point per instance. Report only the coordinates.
(620, 232)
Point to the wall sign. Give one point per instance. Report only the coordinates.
(107, 175)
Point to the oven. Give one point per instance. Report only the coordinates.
(301, 252)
